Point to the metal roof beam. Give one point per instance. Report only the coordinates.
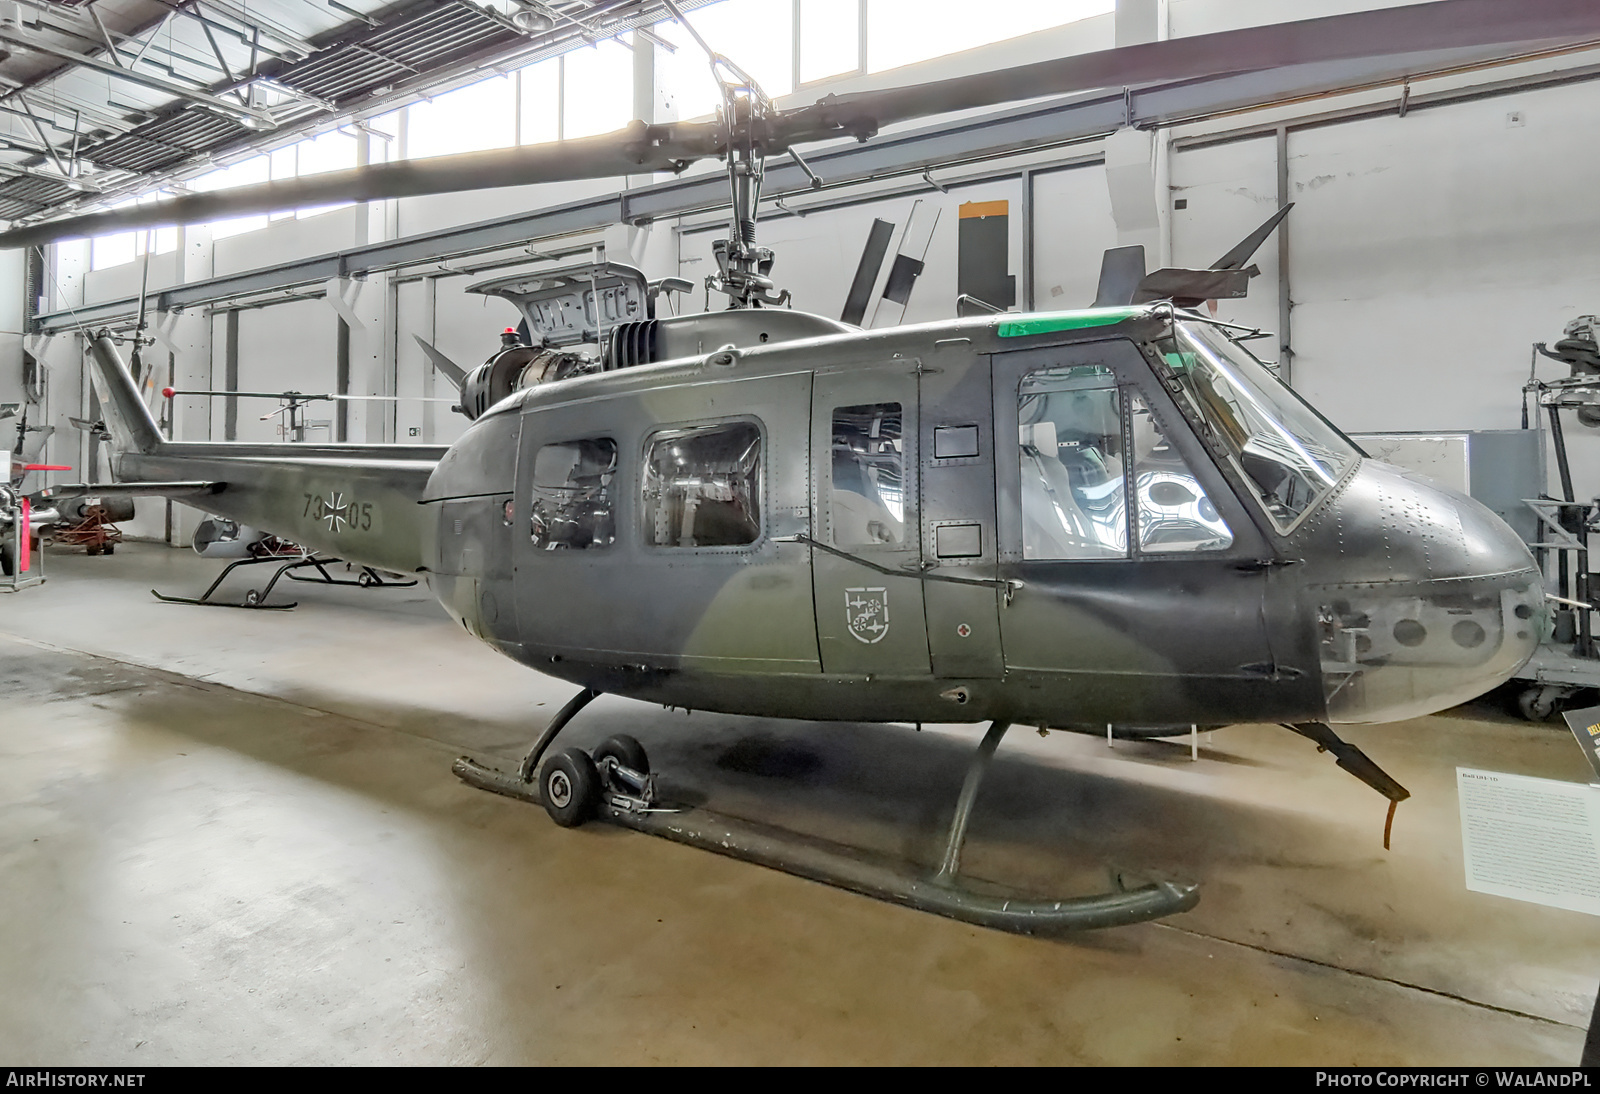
(38, 130)
(244, 37)
(251, 117)
(258, 20)
(111, 47)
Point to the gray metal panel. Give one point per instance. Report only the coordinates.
(1507, 465)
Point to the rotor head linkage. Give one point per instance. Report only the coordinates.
(746, 118)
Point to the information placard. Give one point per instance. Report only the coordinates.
(1585, 725)
(1531, 839)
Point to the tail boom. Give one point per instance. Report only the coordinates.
(350, 501)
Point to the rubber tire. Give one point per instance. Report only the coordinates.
(569, 787)
(91, 550)
(1531, 706)
(366, 580)
(8, 559)
(109, 549)
(626, 750)
(252, 598)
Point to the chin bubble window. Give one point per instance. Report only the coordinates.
(867, 504)
(702, 486)
(572, 495)
(1074, 502)
(1172, 508)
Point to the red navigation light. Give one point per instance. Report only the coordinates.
(509, 330)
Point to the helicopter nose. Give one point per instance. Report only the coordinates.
(1423, 598)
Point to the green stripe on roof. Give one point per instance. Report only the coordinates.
(1066, 320)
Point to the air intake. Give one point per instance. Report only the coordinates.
(631, 344)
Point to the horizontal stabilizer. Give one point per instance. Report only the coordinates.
(1190, 288)
(130, 490)
(447, 368)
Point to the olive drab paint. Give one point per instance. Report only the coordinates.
(842, 524)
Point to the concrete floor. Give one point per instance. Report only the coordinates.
(234, 838)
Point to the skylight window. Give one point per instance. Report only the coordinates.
(903, 32)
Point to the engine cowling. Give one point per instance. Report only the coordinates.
(515, 368)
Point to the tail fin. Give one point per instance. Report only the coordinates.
(1121, 270)
(128, 419)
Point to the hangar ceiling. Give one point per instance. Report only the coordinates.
(103, 99)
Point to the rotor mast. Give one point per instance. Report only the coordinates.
(746, 116)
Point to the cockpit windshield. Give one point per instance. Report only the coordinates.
(1287, 453)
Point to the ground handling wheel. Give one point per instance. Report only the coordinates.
(626, 750)
(1537, 704)
(569, 787)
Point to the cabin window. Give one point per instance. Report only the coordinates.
(572, 495)
(1073, 461)
(1172, 508)
(867, 502)
(702, 486)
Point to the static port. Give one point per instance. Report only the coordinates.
(1524, 612)
(1467, 634)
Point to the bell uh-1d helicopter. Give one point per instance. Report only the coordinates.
(1073, 519)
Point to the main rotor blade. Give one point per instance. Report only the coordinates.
(1440, 26)
(637, 149)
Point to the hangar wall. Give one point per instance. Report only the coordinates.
(1427, 252)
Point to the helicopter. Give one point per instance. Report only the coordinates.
(1116, 516)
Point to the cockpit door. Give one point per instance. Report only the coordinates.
(866, 581)
(1142, 577)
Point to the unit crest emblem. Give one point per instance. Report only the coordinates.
(867, 613)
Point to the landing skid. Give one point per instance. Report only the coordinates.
(625, 797)
(367, 578)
